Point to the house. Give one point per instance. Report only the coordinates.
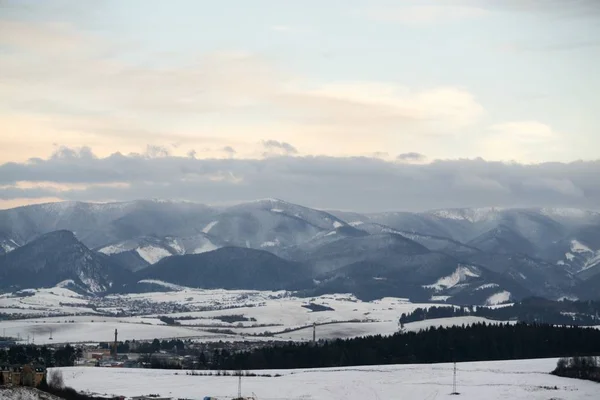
(97, 354)
(22, 375)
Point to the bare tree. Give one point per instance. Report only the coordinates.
(55, 379)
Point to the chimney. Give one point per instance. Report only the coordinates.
(115, 346)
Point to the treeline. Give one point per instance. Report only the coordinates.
(533, 310)
(43, 355)
(478, 342)
(579, 368)
(176, 345)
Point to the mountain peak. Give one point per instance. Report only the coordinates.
(55, 257)
(61, 235)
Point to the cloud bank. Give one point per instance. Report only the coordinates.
(350, 183)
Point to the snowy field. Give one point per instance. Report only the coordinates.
(500, 380)
(264, 315)
(94, 330)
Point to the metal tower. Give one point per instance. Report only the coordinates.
(454, 392)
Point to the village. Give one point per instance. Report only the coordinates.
(163, 354)
(166, 354)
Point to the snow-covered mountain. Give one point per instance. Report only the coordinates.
(138, 253)
(270, 224)
(510, 253)
(227, 268)
(57, 257)
(7, 245)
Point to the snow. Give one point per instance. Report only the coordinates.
(9, 246)
(272, 243)
(90, 283)
(356, 223)
(491, 380)
(113, 249)
(337, 224)
(590, 257)
(91, 329)
(450, 322)
(471, 215)
(274, 313)
(498, 298)
(176, 246)
(342, 330)
(440, 298)
(567, 212)
(162, 283)
(276, 210)
(578, 247)
(331, 233)
(153, 254)
(460, 275)
(24, 393)
(65, 283)
(592, 262)
(487, 286)
(206, 247)
(210, 225)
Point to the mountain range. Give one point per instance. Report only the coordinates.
(477, 256)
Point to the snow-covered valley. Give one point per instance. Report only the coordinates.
(58, 315)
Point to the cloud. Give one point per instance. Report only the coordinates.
(424, 14)
(553, 8)
(380, 154)
(411, 157)
(528, 141)
(561, 46)
(229, 150)
(281, 28)
(153, 151)
(71, 87)
(274, 146)
(356, 183)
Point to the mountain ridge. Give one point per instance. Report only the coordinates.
(540, 251)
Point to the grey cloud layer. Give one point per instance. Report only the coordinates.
(357, 183)
(280, 146)
(412, 156)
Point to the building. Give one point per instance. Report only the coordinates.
(7, 343)
(22, 375)
(97, 354)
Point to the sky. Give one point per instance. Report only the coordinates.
(364, 105)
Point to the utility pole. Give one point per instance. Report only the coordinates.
(454, 392)
(314, 332)
(240, 386)
(454, 383)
